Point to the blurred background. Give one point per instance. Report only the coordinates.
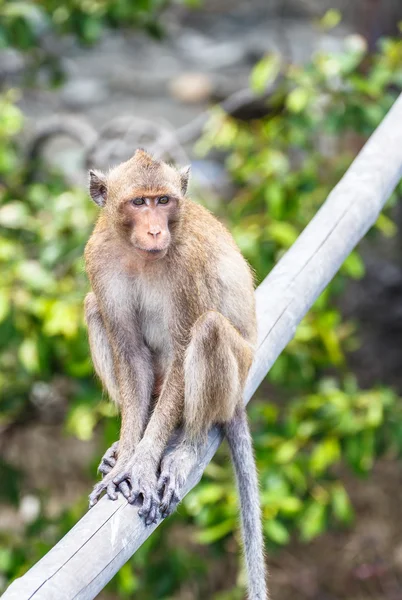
(271, 101)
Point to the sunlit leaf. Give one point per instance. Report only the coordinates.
(297, 100)
(81, 422)
(326, 453)
(340, 503)
(276, 531)
(265, 72)
(28, 355)
(331, 19)
(312, 522)
(215, 533)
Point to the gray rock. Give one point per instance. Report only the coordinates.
(80, 93)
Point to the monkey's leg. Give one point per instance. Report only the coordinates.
(215, 369)
(134, 421)
(176, 466)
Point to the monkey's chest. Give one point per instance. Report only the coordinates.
(154, 319)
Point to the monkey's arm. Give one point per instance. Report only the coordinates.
(141, 469)
(132, 369)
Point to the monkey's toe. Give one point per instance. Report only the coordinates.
(170, 495)
(170, 486)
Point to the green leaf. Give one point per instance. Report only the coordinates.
(29, 355)
(34, 275)
(4, 303)
(265, 72)
(326, 453)
(63, 318)
(297, 99)
(81, 422)
(290, 505)
(128, 581)
(354, 266)
(217, 532)
(312, 522)
(275, 198)
(286, 452)
(340, 504)
(331, 19)
(386, 226)
(285, 234)
(276, 531)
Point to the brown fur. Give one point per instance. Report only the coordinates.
(172, 330)
(193, 286)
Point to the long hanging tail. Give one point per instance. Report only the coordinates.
(240, 443)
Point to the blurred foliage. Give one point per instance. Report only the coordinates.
(283, 167)
(23, 23)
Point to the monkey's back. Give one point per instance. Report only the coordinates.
(218, 276)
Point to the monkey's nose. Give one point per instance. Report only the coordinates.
(154, 232)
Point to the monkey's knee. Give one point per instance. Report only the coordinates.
(211, 372)
(207, 331)
(217, 338)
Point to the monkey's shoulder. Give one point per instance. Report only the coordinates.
(205, 234)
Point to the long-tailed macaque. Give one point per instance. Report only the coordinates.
(172, 330)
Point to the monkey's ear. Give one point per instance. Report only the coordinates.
(98, 187)
(184, 177)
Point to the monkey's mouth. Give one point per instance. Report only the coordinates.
(151, 253)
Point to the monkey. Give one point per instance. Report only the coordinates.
(172, 333)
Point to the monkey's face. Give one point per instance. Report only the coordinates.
(142, 199)
(148, 221)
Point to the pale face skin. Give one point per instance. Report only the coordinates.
(147, 220)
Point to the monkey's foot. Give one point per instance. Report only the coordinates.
(140, 473)
(107, 485)
(175, 468)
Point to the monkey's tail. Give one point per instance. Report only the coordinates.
(240, 443)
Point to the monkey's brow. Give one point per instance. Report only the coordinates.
(144, 193)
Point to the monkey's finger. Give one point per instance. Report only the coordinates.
(111, 491)
(96, 492)
(104, 469)
(166, 511)
(121, 477)
(114, 448)
(153, 513)
(146, 504)
(133, 496)
(163, 483)
(167, 498)
(125, 489)
(110, 461)
(169, 502)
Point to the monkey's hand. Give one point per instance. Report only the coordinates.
(109, 467)
(140, 472)
(175, 468)
(109, 459)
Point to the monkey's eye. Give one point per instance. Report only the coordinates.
(137, 201)
(163, 200)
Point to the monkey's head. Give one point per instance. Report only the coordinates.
(142, 200)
